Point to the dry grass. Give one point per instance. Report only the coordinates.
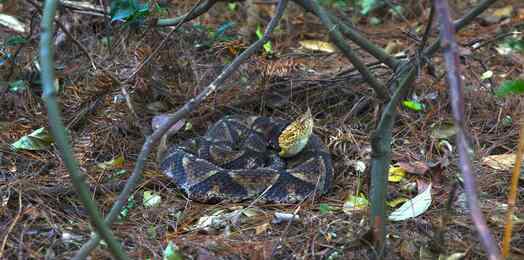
(52, 222)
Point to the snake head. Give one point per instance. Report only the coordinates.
(296, 135)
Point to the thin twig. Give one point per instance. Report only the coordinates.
(178, 115)
(108, 27)
(339, 41)
(131, 105)
(161, 44)
(451, 57)
(459, 24)
(356, 37)
(59, 133)
(10, 228)
(69, 35)
(425, 36)
(512, 196)
(199, 9)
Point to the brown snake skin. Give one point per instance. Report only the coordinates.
(237, 159)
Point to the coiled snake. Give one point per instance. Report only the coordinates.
(241, 158)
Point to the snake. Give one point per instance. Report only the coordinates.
(251, 157)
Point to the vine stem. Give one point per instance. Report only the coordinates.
(58, 131)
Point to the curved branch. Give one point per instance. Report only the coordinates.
(461, 23)
(355, 36)
(339, 41)
(197, 11)
(178, 115)
(187, 17)
(59, 133)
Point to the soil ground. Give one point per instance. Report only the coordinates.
(42, 217)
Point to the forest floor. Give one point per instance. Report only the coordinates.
(41, 216)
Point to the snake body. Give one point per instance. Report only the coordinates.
(238, 159)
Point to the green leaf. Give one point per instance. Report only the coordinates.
(510, 87)
(510, 45)
(128, 10)
(121, 14)
(397, 10)
(355, 203)
(267, 46)
(125, 210)
(259, 32)
(160, 11)
(171, 252)
(341, 4)
(18, 86)
(368, 6)
(413, 105)
(120, 172)
(507, 121)
(231, 6)
(151, 199)
(516, 45)
(324, 208)
(39, 139)
(15, 40)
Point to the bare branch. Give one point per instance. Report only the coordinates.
(339, 41)
(178, 115)
(187, 17)
(380, 160)
(512, 196)
(60, 134)
(451, 57)
(198, 10)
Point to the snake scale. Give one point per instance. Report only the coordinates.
(251, 157)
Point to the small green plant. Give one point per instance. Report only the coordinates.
(366, 6)
(159, 11)
(14, 41)
(215, 35)
(268, 48)
(324, 209)
(128, 11)
(413, 105)
(510, 87)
